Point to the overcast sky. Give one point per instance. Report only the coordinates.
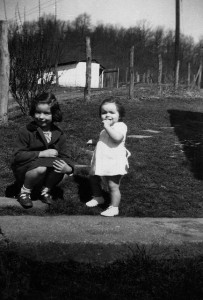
(125, 13)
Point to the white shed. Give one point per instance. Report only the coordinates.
(73, 74)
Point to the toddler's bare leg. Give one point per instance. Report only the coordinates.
(114, 189)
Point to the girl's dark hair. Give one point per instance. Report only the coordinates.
(119, 106)
(50, 99)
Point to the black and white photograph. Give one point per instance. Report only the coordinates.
(101, 149)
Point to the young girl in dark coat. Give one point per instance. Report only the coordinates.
(40, 155)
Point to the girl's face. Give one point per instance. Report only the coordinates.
(43, 116)
(110, 112)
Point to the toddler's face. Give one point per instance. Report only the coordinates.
(43, 116)
(109, 112)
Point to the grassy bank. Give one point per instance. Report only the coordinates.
(165, 176)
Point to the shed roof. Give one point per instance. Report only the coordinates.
(78, 54)
(77, 61)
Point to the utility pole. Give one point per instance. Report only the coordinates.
(39, 9)
(5, 10)
(177, 31)
(55, 6)
(56, 42)
(24, 14)
(177, 41)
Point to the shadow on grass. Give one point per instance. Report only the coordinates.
(141, 277)
(84, 190)
(188, 127)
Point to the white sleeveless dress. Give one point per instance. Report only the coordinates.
(110, 158)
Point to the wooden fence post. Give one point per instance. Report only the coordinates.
(148, 76)
(87, 90)
(177, 75)
(200, 76)
(4, 72)
(117, 83)
(56, 74)
(131, 88)
(160, 73)
(126, 76)
(200, 68)
(188, 75)
(194, 80)
(137, 77)
(196, 77)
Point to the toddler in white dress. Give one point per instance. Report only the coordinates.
(110, 158)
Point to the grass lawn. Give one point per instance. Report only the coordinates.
(165, 176)
(165, 180)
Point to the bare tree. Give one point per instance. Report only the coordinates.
(32, 60)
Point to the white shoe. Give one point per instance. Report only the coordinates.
(111, 211)
(95, 202)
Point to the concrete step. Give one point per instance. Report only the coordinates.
(99, 240)
(11, 204)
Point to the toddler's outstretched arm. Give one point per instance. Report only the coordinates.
(91, 142)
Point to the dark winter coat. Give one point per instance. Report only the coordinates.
(30, 142)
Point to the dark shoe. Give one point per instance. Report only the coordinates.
(47, 198)
(25, 200)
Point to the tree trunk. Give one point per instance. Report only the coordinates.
(87, 90)
(4, 72)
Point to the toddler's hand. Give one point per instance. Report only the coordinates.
(48, 153)
(90, 142)
(61, 167)
(106, 123)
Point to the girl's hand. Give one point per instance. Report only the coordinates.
(48, 153)
(61, 167)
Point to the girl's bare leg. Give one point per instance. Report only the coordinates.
(32, 178)
(35, 176)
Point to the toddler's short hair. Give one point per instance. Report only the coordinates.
(119, 106)
(50, 99)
